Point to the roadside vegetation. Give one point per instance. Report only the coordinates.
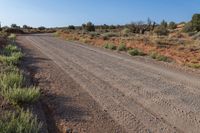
(19, 122)
(169, 41)
(14, 91)
(136, 52)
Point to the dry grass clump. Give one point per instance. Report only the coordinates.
(19, 122)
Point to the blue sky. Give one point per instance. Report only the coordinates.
(65, 12)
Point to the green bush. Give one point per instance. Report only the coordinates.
(11, 80)
(21, 122)
(136, 52)
(122, 47)
(21, 95)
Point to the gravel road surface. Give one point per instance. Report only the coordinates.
(138, 95)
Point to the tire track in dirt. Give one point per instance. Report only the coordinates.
(152, 119)
(141, 98)
(121, 115)
(159, 99)
(164, 103)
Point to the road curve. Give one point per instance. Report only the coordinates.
(140, 96)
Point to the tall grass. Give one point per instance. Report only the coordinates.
(20, 96)
(11, 83)
(7, 69)
(21, 122)
(11, 55)
(11, 80)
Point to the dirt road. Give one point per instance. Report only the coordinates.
(139, 95)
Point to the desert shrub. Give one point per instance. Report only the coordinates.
(14, 26)
(25, 27)
(94, 34)
(164, 24)
(136, 52)
(161, 30)
(105, 46)
(159, 57)
(172, 25)
(122, 47)
(71, 27)
(194, 65)
(112, 47)
(188, 27)
(153, 55)
(41, 28)
(88, 26)
(21, 122)
(162, 58)
(196, 22)
(126, 31)
(21, 95)
(110, 34)
(11, 80)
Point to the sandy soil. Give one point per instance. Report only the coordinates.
(93, 90)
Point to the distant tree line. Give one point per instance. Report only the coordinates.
(135, 27)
